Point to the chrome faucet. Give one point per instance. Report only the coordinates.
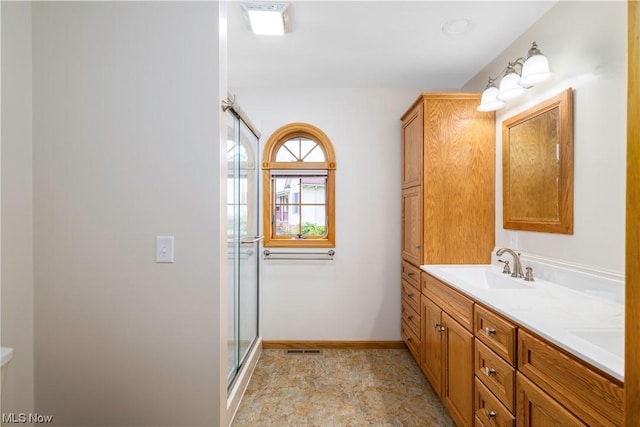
(517, 267)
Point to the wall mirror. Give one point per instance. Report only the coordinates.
(537, 167)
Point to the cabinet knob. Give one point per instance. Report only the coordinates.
(489, 331)
(439, 327)
(490, 414)
(410, 317)
(489, 371)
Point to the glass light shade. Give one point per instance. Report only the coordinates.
(509, 87)
(535, 70)
(488, 102)
(266, 22)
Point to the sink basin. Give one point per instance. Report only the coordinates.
(484, 277)
(610, 340)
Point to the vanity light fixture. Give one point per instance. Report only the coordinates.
(267, 18)
(533, 70)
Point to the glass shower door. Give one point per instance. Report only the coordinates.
(243, 242)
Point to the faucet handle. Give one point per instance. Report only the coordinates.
(506, 269)
(528, 277)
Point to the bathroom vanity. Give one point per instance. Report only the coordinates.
(504, 352)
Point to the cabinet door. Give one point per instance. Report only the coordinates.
(431, 364)
(459, 183)
(412, 225)
(412, 140)
(537, 409)
(457, 391)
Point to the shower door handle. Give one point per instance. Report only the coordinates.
(253, 239)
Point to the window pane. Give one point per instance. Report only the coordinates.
(311, 151)
(300, 150)
(296, 200)
(314, 189)
(283, 187)
(314, 220)
(284, 155)
(300, 205)
(286, 223)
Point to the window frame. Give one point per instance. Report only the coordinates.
(269, 165)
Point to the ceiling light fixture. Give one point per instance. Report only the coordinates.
(533, 70)
(267, 18)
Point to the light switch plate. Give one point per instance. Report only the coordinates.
(164, 249)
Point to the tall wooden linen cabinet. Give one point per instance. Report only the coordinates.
(448, 204)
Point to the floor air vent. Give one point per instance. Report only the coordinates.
(301, 351)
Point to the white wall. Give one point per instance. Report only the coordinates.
(356, 296)
(17, 206)
(126, 147)
(586, 44)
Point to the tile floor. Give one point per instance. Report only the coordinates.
(340, 388)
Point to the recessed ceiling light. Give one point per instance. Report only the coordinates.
(456, 27)
(267, 18)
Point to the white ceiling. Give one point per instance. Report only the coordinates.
(375, 44)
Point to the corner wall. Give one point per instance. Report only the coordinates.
(126, 147)
(17, 207)
(586, 44)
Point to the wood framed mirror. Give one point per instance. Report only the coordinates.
(537, 167)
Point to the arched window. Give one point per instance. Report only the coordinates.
(299, 188)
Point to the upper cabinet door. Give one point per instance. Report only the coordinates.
(412, 140)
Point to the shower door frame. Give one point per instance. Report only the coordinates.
(251, 238)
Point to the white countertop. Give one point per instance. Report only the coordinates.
(587, 323)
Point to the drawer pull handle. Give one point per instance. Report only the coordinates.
(489, 371)
(489, 331)
(440, 328)
(490, 414)
(409, 294)
(409, 339)
(411, 273)
(410, 317)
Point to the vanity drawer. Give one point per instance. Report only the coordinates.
(411, 340)
(410, 317)
(496, 374)
(488, 409)
(592, 397)
(411, 295)
(497, 333)
(451, 301)
(411, 274)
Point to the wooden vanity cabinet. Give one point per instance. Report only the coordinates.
(448, 186)
(490, 371)
(447, 357)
